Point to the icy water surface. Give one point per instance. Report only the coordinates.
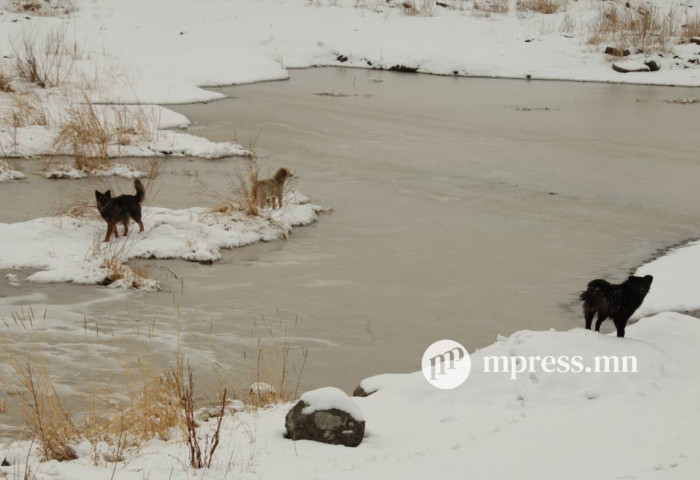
(464, 209)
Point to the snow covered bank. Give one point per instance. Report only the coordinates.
(8, 173)
(105, 130)
(541, 425)
(163, 51)
(676, 284)
(68, 249)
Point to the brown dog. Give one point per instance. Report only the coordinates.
(120, 209)
(269, 188)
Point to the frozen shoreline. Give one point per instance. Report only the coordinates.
(415, 430)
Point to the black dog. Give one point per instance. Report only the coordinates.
(615, 301)
(120, 209)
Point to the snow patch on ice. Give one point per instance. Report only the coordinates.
(8, 173)
(117, 169)
(68, 249)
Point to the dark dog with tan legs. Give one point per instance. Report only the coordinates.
(618, 302)
(120, 209)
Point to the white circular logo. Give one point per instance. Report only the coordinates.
(446, 364)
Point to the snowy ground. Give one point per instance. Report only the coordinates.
(163, 51)
(552, 426)
(70, 249)
(545, 426)
(676, 285)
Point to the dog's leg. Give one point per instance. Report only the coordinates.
(136, 215)
(279, 201)
(620, 326)
(111, 230)
(126, 227)
(589, 318)
(601, 319)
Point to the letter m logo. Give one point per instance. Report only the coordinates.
(456, 354)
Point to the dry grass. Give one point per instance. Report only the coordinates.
(26, 109)
(278, 367)
(488, 7)
(43, 413)
(44, 58)
(185, 389)
(568, 25)
(155, 405)
(44, 7)
(239, 194)
(422, 8)
(691, 25)
(639, 27)
(546, 7)
(89, 131)
(6, 83)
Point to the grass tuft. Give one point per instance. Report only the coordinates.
(546, 7)
(638, 27)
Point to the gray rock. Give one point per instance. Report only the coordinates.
(327, 426)
(653, 65)
(360, 392)
(630, 67)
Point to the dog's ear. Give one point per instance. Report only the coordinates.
(649, 279)
(97, 194)
(108, 194)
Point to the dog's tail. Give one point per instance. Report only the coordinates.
(588, 296)
(597, 289)
(140, 191)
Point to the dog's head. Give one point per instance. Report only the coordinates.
(283, 174)
(640, 285)
(103, 198)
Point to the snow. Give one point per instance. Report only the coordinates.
(68, 249)
(676, 285)
(114, 169)
(35, 141)
(261, 388)
(165, 51)
(541, 425)
(330, 397)
(13, 280)
(8, 173)
(377, 382)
